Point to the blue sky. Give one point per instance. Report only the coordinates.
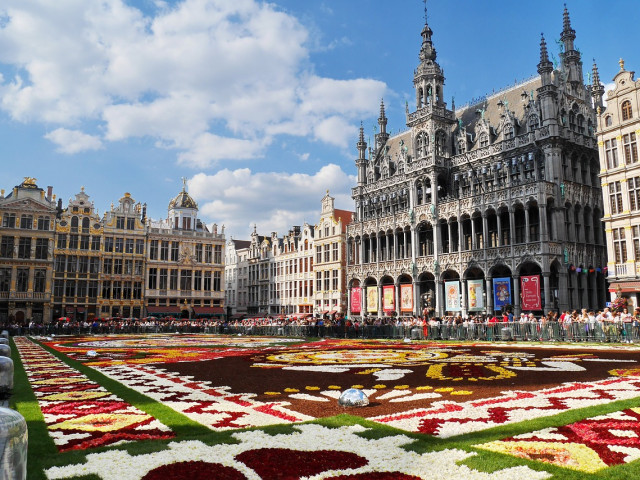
(256, 104)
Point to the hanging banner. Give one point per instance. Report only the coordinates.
(475, 293)
(530, 288)
(406, 298)
(452, 296)
(388, 300)
(372, 299)
(501, 292)
(356, 300)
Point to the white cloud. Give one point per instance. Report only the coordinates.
(274, 201)
(73, 141)
(193, 75)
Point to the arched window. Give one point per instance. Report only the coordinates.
(462, 145)
(441, 143)
(607, 121)
(422, 145)
(74, 224)
(626, 110)
(85, 225)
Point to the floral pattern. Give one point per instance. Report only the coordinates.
(80, 413)
(587, 446)
(343, 454)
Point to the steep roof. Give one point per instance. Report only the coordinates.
(345, 216)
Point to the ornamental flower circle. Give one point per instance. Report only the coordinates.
(357, 356)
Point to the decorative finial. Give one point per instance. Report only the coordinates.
(327, 191)
(82, 188)
(621, 63)
(425, 11)
(184, 184)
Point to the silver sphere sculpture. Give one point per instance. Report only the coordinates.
(353, 397)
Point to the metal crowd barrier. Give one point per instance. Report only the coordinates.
(528, 331)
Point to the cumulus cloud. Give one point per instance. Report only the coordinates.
(73, 141)
(212, 79)
(271, 200)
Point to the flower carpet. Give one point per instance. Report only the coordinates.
(266, 408)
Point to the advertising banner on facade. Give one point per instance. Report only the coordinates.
(452, 296)
(388, 300)
(406, 298)
(501, 292)
(372, 299)
(356, 299)
(530, 288)
(475, 291)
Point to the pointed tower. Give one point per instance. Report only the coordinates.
(597, 88)
(361, 162)
(428, 79)
(571, 62)
(183, 210)
(382, 136)
(547, 92)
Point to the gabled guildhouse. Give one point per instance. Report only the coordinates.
(493, 205)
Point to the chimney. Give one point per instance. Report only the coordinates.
(49, 192)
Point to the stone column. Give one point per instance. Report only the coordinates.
(499, 225)
(439, 297)
(526, 225)
(380, 310)
(489, 293)
(474, 245)
(450, 237)
(548, 300)
(563, 295)
(545, 234)
(485, 230)
(516, 295)
(397, 298)
(465, 300)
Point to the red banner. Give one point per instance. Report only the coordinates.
(530, 292)
(388, 298)
(356, 299)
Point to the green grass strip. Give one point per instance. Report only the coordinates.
(25, 402)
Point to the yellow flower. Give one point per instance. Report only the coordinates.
(291, 390)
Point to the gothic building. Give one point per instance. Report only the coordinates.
(493, 205)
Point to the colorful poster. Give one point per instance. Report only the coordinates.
(406, 298)
(475, 294)
(388, 300)
(501, 292)
(530, 292)
(372, 299)
(452, 296)
(356, 300)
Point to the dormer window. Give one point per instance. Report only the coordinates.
(627, 112)
(508, 131)
(483, 140)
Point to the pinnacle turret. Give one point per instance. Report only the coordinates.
(568, 34)
(597, 89)
(545, 66)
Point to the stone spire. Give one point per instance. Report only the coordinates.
(361, 162)
(545, 67)
(597, 89)
(428, 78)
(382, 136)
(427, 52)
(568, 34)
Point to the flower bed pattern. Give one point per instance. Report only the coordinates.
(587, 446)
(447, 419)
(313, 452)
(79, 413)
(213, 406)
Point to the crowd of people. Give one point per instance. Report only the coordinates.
(583, 325)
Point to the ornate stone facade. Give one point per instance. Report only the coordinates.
(27, 227)
(184, 263)
(78, 259)
(501, 189)
(618, 133)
